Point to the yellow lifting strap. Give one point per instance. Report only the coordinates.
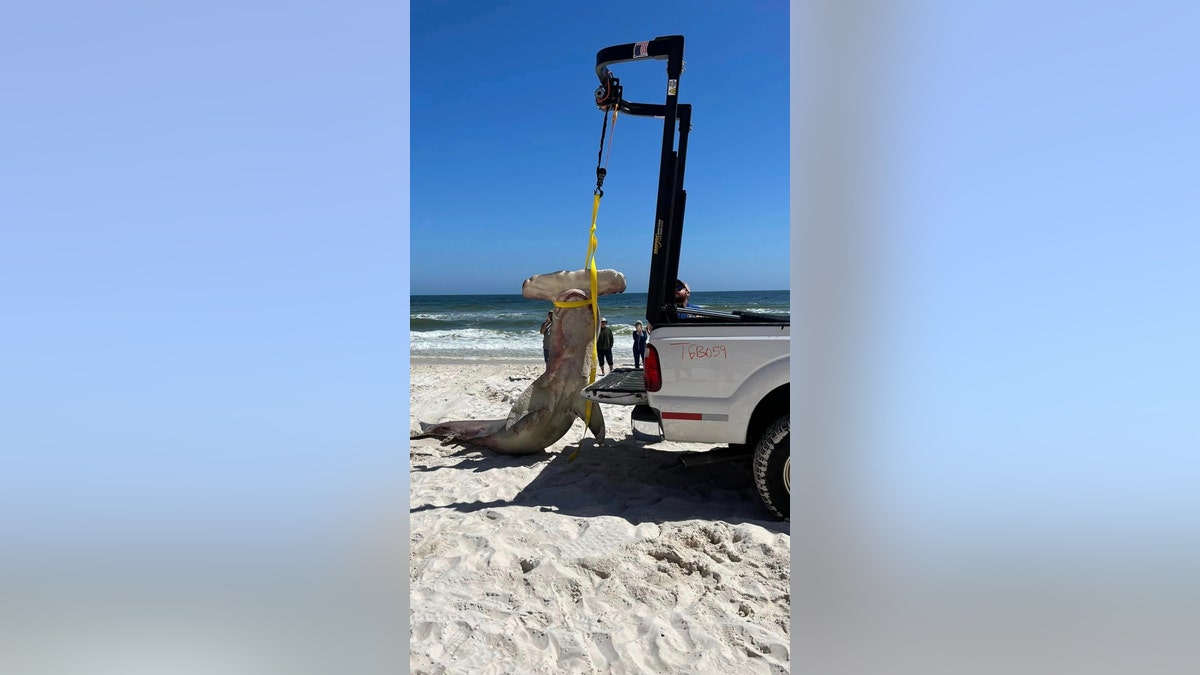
(589, 264)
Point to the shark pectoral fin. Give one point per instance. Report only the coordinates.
(531, 419)
(595, 423)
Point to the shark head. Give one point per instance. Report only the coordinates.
(574, 327)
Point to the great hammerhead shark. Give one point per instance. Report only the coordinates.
(547, 408)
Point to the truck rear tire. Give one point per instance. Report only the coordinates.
(772, 468)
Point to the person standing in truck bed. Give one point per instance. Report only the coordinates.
(683, 294)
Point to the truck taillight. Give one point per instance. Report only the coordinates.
(652, 374)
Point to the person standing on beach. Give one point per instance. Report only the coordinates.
(545, 331)
(604, 345)
(639, 345)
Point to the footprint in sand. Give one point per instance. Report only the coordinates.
(602, 537)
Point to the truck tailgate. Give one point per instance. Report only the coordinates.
(622, 386)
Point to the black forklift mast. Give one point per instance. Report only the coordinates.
(668, 216)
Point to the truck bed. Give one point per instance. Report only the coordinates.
(622, 386)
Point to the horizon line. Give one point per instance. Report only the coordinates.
(753, 290)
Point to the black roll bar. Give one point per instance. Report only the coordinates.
(668, 217)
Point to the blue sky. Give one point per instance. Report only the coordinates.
(505, 136)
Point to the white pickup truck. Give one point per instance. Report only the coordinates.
(710, 377)
(718, 383)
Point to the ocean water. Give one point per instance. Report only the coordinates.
(506, 326)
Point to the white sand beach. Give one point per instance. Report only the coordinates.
(621, 561)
